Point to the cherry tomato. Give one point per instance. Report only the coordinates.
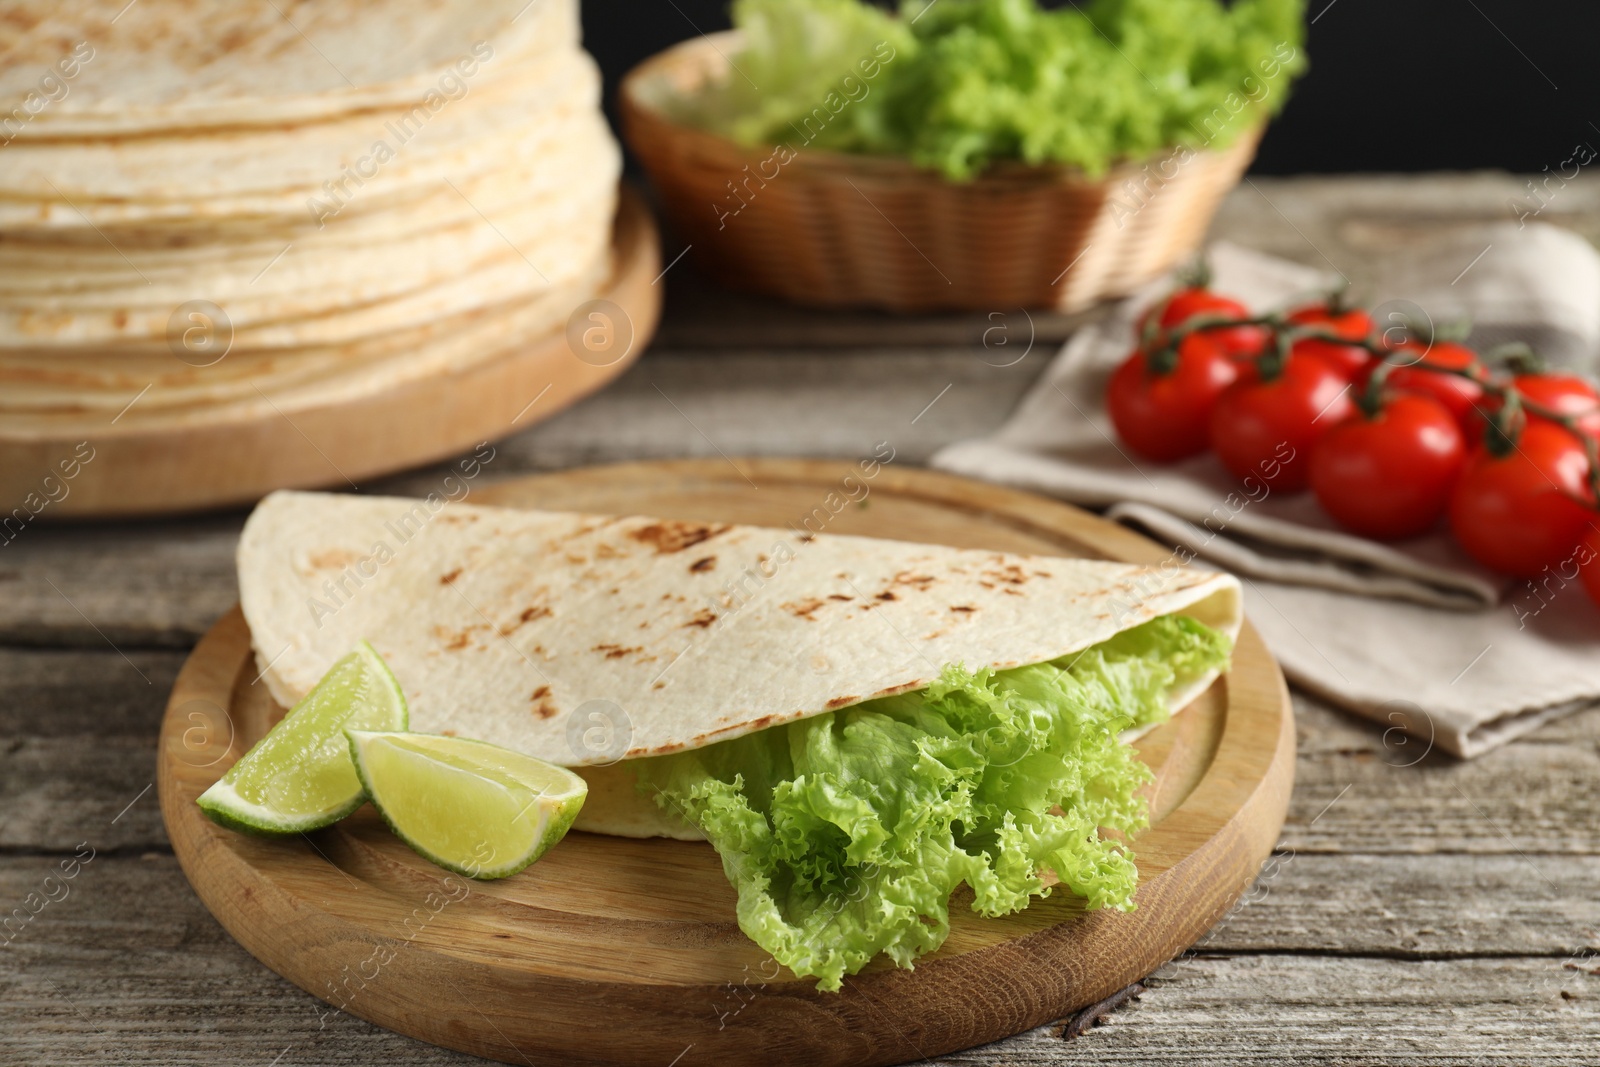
(1352, 325)
(1389, 475)
(1264, 428)
(1166, 417)
(1589, 559)
(1459, 396)
(1521, 512)
(1566, 394)
(1185, 304)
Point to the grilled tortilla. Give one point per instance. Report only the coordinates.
(589, 639)
(858, 727)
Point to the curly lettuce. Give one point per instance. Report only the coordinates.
(845, 834)
(959, 84)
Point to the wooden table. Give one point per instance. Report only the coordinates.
(1436, 913)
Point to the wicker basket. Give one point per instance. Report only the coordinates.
(840, 230)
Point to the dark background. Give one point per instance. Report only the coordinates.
(1394, 85)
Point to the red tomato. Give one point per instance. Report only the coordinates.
(1352, 325)
(1589, 559)
(1459, 396)
(1566, 394)
(1389, 476)
(1166, 417)
(1185, 304)
(1264, 429)
(1520, 513)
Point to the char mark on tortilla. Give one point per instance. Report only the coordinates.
(671, 536)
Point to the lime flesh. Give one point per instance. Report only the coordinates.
(299, 777)
(469, 806)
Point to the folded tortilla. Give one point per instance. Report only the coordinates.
(859, 727)
(588, 639)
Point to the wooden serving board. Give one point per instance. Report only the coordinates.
(623, 951)
(208, 459)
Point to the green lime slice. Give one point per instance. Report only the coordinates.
(472, 807)
(299, 777)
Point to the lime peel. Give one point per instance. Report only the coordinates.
(299, 777)
(471, 807)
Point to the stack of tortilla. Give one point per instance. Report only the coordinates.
(215, 206)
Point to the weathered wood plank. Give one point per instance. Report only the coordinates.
(128, 584)
(698, 314)
(80, 729)
(1322, 1010)
(1356, 793)
(126, 966)
(57, 792)
(777, 403)
(730, 367)
(75, 694)
(1261, 1010)
(1525, 798)
(162, 583)
(1416, 906)
(77, 747)
(1347, 951)
(1404, 907)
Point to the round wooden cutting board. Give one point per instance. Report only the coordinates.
(624, 951)
(227, 455)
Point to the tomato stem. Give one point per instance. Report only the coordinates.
(1275, 356)
(1370, 400)
(1162, 361)
(1152, 323)
(1197, 275)
(1338, 299)
(1517, 357)
(1161, 346)
(1504, 427)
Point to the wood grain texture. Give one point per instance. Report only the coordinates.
(1230, 1010)
(1390, 907)
(1357, 790)
(203, 459)
(164, 582)
(755, 377)
(1317, 1010)
(153, 583)
(703, 316)
(604, 929)
(77, 745)
(131, 969)
(79, 729)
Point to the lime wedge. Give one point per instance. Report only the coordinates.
(472, 807)
(299, 777)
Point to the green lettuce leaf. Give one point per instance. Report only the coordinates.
(789, 81)
(958, 84)
(846, 833)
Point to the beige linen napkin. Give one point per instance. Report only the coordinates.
(1413, 634)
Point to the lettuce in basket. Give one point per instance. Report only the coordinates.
(845, 834)
(956, 85)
